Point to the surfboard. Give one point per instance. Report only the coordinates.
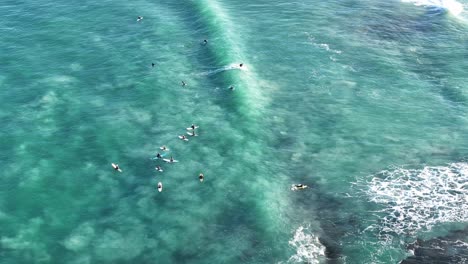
(169, 161)
(189, 128)
(191, 134)
(163, 149)
(115, 167)
(295, 188)
(160, 186)
(184, 139)
(201, 179)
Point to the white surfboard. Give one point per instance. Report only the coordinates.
(115, 167)
(169, 161)
(201, 178)
(184, 139)
(191, 134)
(163, 148)
(295, 188)
(189, 128)
(160, 186)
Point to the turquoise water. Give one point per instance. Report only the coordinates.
(364, 101)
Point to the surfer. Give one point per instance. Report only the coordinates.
(300, 186)
(205, 42)
(152, 64)
(116, 167)
(193, 126)
(183, 83)
(193, 133)
(201, 177)
(139, 18)
(158, 156)
(171, 159)
(231, 88)
(158, 168)
(240, 65)
(163, 148)
(183, 137)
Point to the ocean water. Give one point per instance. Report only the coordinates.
(366, 102)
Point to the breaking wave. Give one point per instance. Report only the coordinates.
(451, 6)
(307, 246)
(415, 200)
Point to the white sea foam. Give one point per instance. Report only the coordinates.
(451, 6)
(307, 246)
(232, 66)
(415, 200)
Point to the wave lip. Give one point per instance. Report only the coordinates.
(417, 200)
(451, 6)
(308, 248)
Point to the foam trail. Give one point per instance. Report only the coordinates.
(307, 246)
(232, 66)
(417, 200)
(451, 6)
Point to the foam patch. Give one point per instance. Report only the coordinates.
(415, 200)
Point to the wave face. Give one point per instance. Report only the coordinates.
(417, 200)
(451, 6)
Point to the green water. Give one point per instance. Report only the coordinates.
(330, 94)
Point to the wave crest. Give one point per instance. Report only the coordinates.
(451, 6)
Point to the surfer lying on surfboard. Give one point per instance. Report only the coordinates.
(299, 186)
(201, 177)
(116, 167)
(163, 148)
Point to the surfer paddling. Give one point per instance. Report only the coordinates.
(240, 65)
(116, 167)
(183, 83)
(300, 186)
(139, 18)
(201, 177)
(158, 155)
(158, 168)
